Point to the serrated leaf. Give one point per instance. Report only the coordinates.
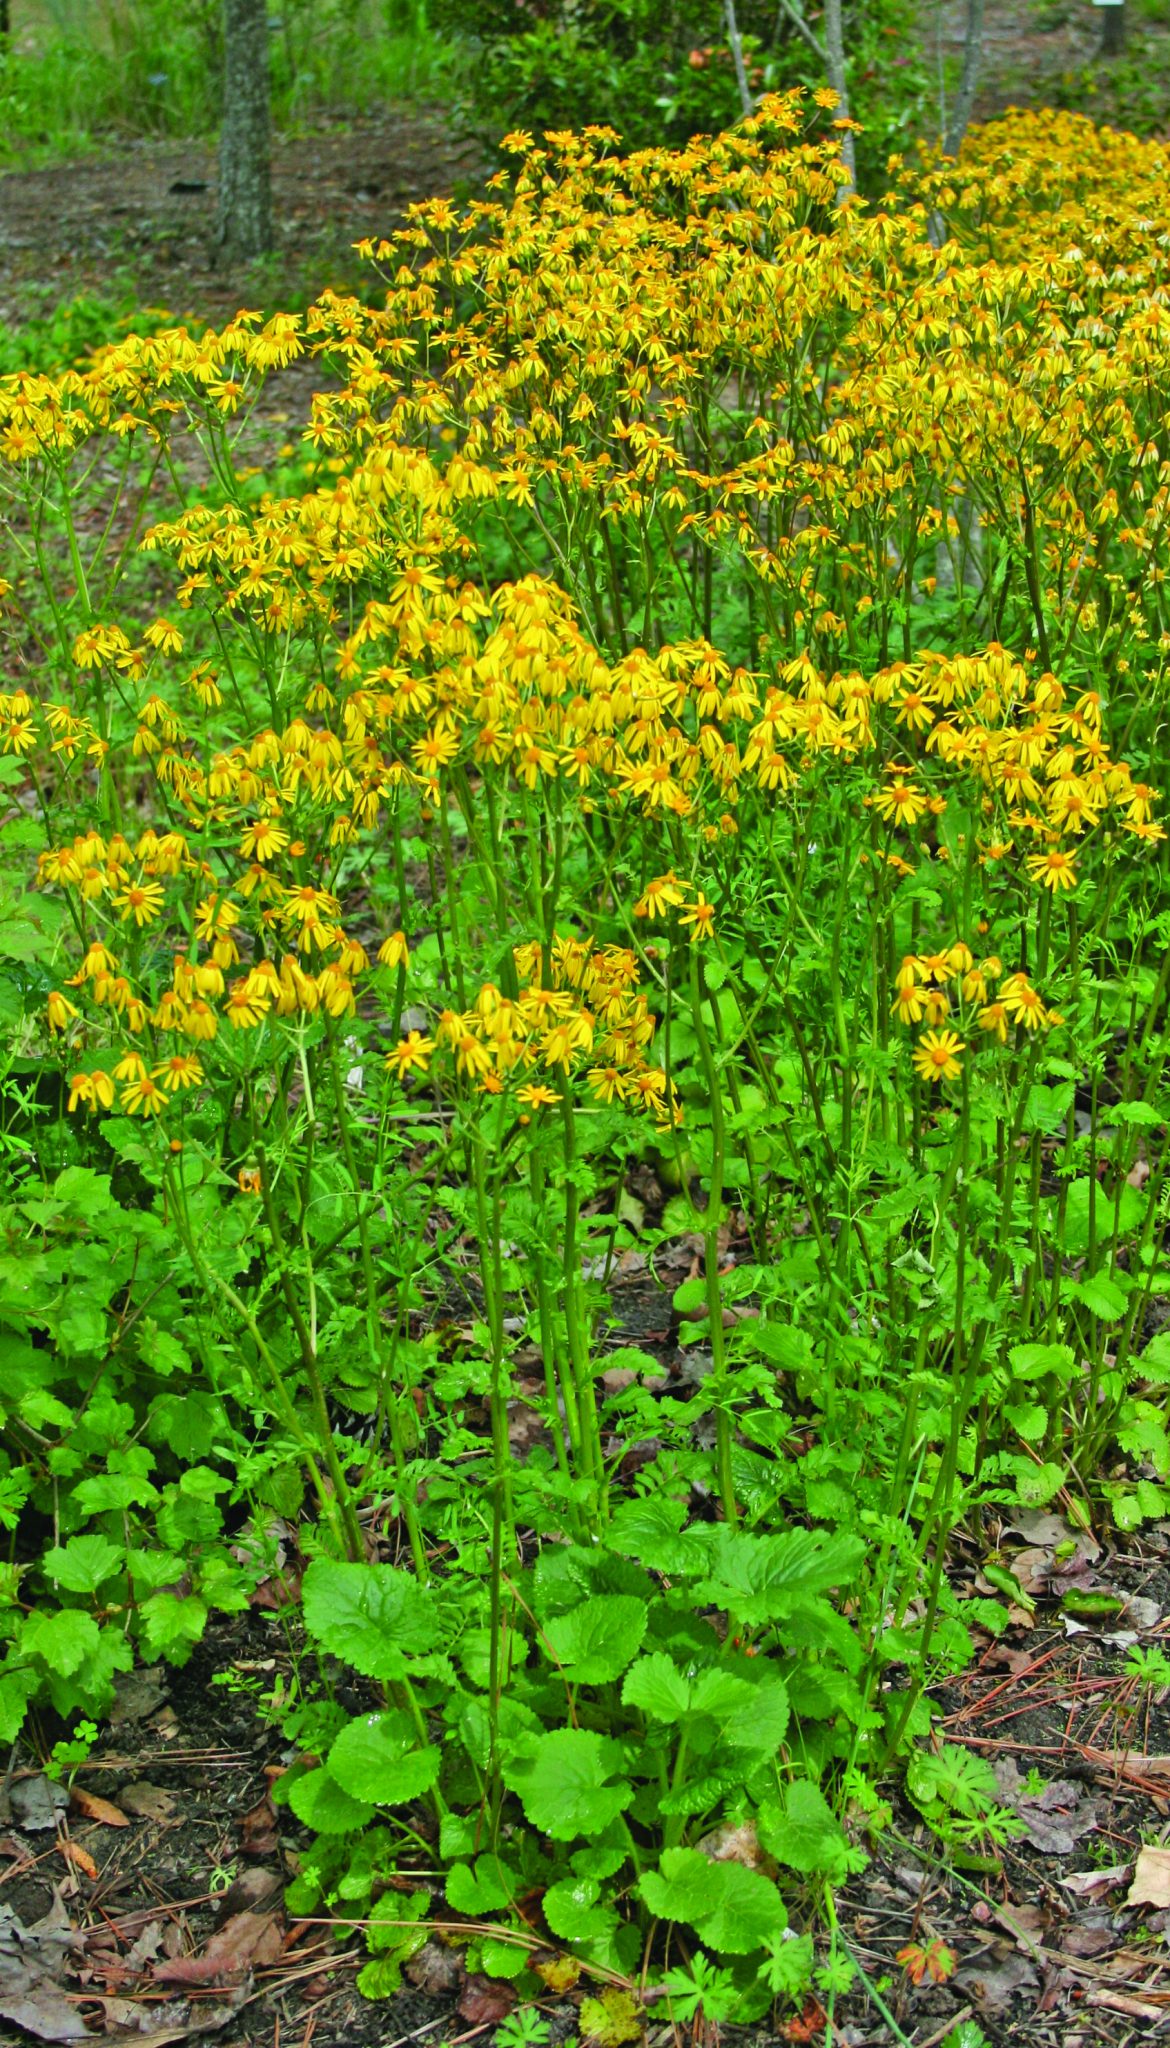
(593, 1643)
(377, 1759)
(563, 1780)
(657, 1688)
(63, 1639)
(325, 1806)
(575, 1912)
(372, 1615)
(486, 1888)
(611, 2019)
(802, 1832)
(1032, 1361)
(764, 1578)
(84, 1563)
(1101, 1295)
(731, 1908)
(1028, 1419)
(651, 1531)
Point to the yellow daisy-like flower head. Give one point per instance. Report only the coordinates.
(936, 1056)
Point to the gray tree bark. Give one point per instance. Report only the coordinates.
(835, 66)
(972, 62)
(244, 225)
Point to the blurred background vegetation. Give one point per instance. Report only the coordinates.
(75, 74)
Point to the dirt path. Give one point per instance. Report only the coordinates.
(138, 220)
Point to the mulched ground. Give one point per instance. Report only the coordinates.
(138, 220)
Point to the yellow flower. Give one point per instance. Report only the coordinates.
(659, 896)
(936, 1055)
(394, 951)
(994, 1018)
(93, 1090)
(1054, 869)
(411, 1053)
(143, 1097)
(182, 1070)
(140, 900)
(1024, 1005)
(163, 635)
(700, 917)
(263, 840)
(60, 1011)
(901, 803)
(536, 1096)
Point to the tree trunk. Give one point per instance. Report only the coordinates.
(972, 61)
(835, 66)
(244, 226)
(1113, 30)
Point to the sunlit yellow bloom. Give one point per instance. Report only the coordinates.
(143, 1097)
(536, 1095)
(93, 1091)
(1023, 1004)
(140, 900)
(994, 1018)
(700, 917)
(60, 1011)
(411, 1054)
(936, 1056)
(901, 803)
(181, 1071)
(1054, 869)
(394, 951)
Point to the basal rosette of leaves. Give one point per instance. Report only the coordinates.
(689, 708)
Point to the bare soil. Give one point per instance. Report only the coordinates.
(139, 220)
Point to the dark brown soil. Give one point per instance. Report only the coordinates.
(139, 220)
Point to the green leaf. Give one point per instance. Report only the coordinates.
(594, 1643)
(372, 1615)
(764, 1578)
(1028, 1419)
(63, 1639)
(1101, 1295)
(574, 1911)
(563, 1778)
(732, 1909)
(83, 1564)
(487, 1889)
(377, 1758)
(323, 1805)
(1032, 1361)
(657, 1688)
(803, 1833)
(650, 1530)
(172, 1624)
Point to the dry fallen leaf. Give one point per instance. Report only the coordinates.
(80, 1858)
(1151, 1879)
(1088, 1883)
(92, 1807)
(485, 2001)
(147, 1802)
(246, 1941)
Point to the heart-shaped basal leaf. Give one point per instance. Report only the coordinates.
(594, 1642)
(732, 1909)
(657, 1688)
(765, 1578)
(562, 1779)
(378, 1758)
(803, 1832)
(370, 1614)
(575, 1912)
(323, 1805)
